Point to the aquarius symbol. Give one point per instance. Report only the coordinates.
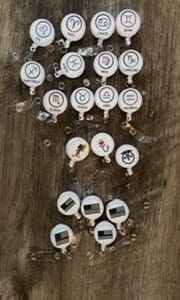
(128, 156)
(75, 22)
(82, 96)
(106, 94)
(56, 99)
(103, 145)
(79, 149)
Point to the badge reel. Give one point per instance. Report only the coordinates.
(92, 208)
(117, 212)
(106, 98)
(73, 28)
(102, 144)
(42, 34)
(68, 204)
(102, 26)
(32, 75)
(72, 65)
(61, 236)
(130, 63)
(82, 100)
(105, 65)
(128, 23)
(130, 101)
(55, 103)
(77, 149)
(105, 234)
(127, 156)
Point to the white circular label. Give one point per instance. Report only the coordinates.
(105, 233)
(68, 203)
(130, 62)
(130, 100)
(102, 25)
(42, 32)
(92, 207)
(77, 149)
(82, 99)
(32, 74)
(72, 65)
(105, 64)
(117, 211)
(106, 97)
(127, 156)
(73, 27)
(128, 23)
(55, 102)
(61, 236)
(102, 144)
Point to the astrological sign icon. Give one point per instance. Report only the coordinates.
(75, 22)
(82, 96)
(32, 70)
(74, 63)
(80, 148)
(103, 145)
(128, 156)
(128, 19)
(106, 60)
(131, 60)
(43, 29)
(103, 22)
(56, 100)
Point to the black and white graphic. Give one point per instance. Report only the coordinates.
(82, 100)
(103, 22)
(92, 208)
(102, 25)
(105, 64)
(73, 28)
(74, 23)
(32, 70)
(128, 18)
(74, 63)
(61, 236)
(68, 203)
(106, 60)
(127, 156)
(105, 234)
(56, 99)
(130, 100)
(106, 97)
(43, 29)
(55, 102)
(131, 59)
(32, 74)
(42, 33)
(130, 63)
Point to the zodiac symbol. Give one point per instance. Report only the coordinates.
(106, 60)
(43, 29)
(128, 156)
(128, 19)
(74, 22)
(103, 145)
(103, 22)
(32, 70)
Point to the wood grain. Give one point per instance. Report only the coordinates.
(32, 175)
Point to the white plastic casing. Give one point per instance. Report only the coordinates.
(92, 208)
(55, 102)
(68, 204)
(117, 211)
(130, 101)
(82, 100)
(73, 27)
(61, 236)
(42, 32)
(105, 64)
(102, 25)
(127, 156)
(105, 234)
(32, 74)
(102, 144)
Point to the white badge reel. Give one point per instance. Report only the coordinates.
(61, 236)
(105, 234)
(55, 103)
(128, 23)
(102, 26)
(102, 144)
(73, 28)
(117, 212)
(72, 65)
(77, 149)
(32, 74)
(68, 204)
(92, 208)
(127, 156)
(82, 100)
(105, 65)
(42, 33)
(130, 100)
(106, 98)
(130, 63)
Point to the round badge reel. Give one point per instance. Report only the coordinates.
(102, 144)
(73, 28)
(128, 23)
(61, 236)
(92, 208)
(130, 101)
(127, 156)
(105, 234)
(42, 34)
(106, 98)
(72, 65)
(32, 74)
(117, 212)
(102, 26)
(55, 103)
(68, 204)
(82, 100)
(105, 65)
(77, 149)
(130, 63)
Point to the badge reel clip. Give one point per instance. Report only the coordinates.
(77, 149)
(68, 204)
(130, 101)
(72, 65)
(127, 156)
(32, 75)
(106, 98)
(61, 236)
(92, 208)
(82, 100)
(105, 234)
(102, 144)
(130, 63)
(73, 28)
(105, 65)
(128, 23)
(55, 103)
(117, 212)
(42, 34)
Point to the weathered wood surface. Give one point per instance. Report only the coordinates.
(32, 175)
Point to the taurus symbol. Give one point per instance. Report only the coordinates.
(103, 145)
(74, 62)
(131, 60)
(79, 149)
